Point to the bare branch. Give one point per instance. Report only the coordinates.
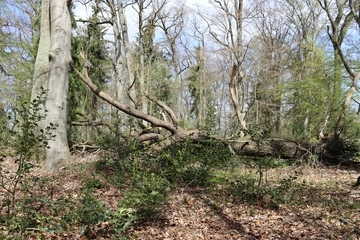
(150, 136)
(93, 22)
(341, 54)
(124, 108)
(163, 106)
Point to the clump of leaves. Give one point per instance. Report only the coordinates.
(346, 148)
(147, 196)
(123, 219)
(191, 163)
(148, 178)
(91, 212)
(136, 171)
(246, 188)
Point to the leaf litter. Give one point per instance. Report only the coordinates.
(328, 208)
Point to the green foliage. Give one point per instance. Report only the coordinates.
(19, 202)
(26, 142)
(311, 94)
(259, 135)
(5, 134)
(84, 104)
(91, 212)
(18, 48)
(191, 163)
(247, 188)
(280, 193)
(148, 194)
(148, 179)
(123, 219)
(210, 118)
(158, 80)
(147, 189)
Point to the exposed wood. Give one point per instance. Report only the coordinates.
(163, 106)
(233, 93)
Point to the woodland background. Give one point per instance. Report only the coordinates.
(290, 79)
(229, 108)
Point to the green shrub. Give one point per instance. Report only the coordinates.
(281, 193)
(247, 189)
(148, 194)
(148, 178)
(190, 163)
(19, 202)
(123, 219)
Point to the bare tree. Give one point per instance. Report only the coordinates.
(172, 23)
(344, 17)
(226, 27)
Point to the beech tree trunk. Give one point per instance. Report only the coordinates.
(41, 68)
(56, 103)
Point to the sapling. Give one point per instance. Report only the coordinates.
(26, 140)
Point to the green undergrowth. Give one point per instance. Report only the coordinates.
(146, 180)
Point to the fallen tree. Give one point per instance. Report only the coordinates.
(279, 148)
(176, 131)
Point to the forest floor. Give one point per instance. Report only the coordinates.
(320, 203)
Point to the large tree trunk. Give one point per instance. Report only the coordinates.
(56, 103)
(41, 68)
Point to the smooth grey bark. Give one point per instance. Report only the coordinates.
(56, 103)
(41, 68)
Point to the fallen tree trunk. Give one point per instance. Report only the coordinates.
(176, 131)
(279, 148)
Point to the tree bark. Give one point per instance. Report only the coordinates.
(59, 59)
(127, 54)
(41, 68)
(233, 93)
(127, 109)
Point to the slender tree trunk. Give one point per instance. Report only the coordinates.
(128, 56)
(234, 99)
(239, 58)
(56, 103)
